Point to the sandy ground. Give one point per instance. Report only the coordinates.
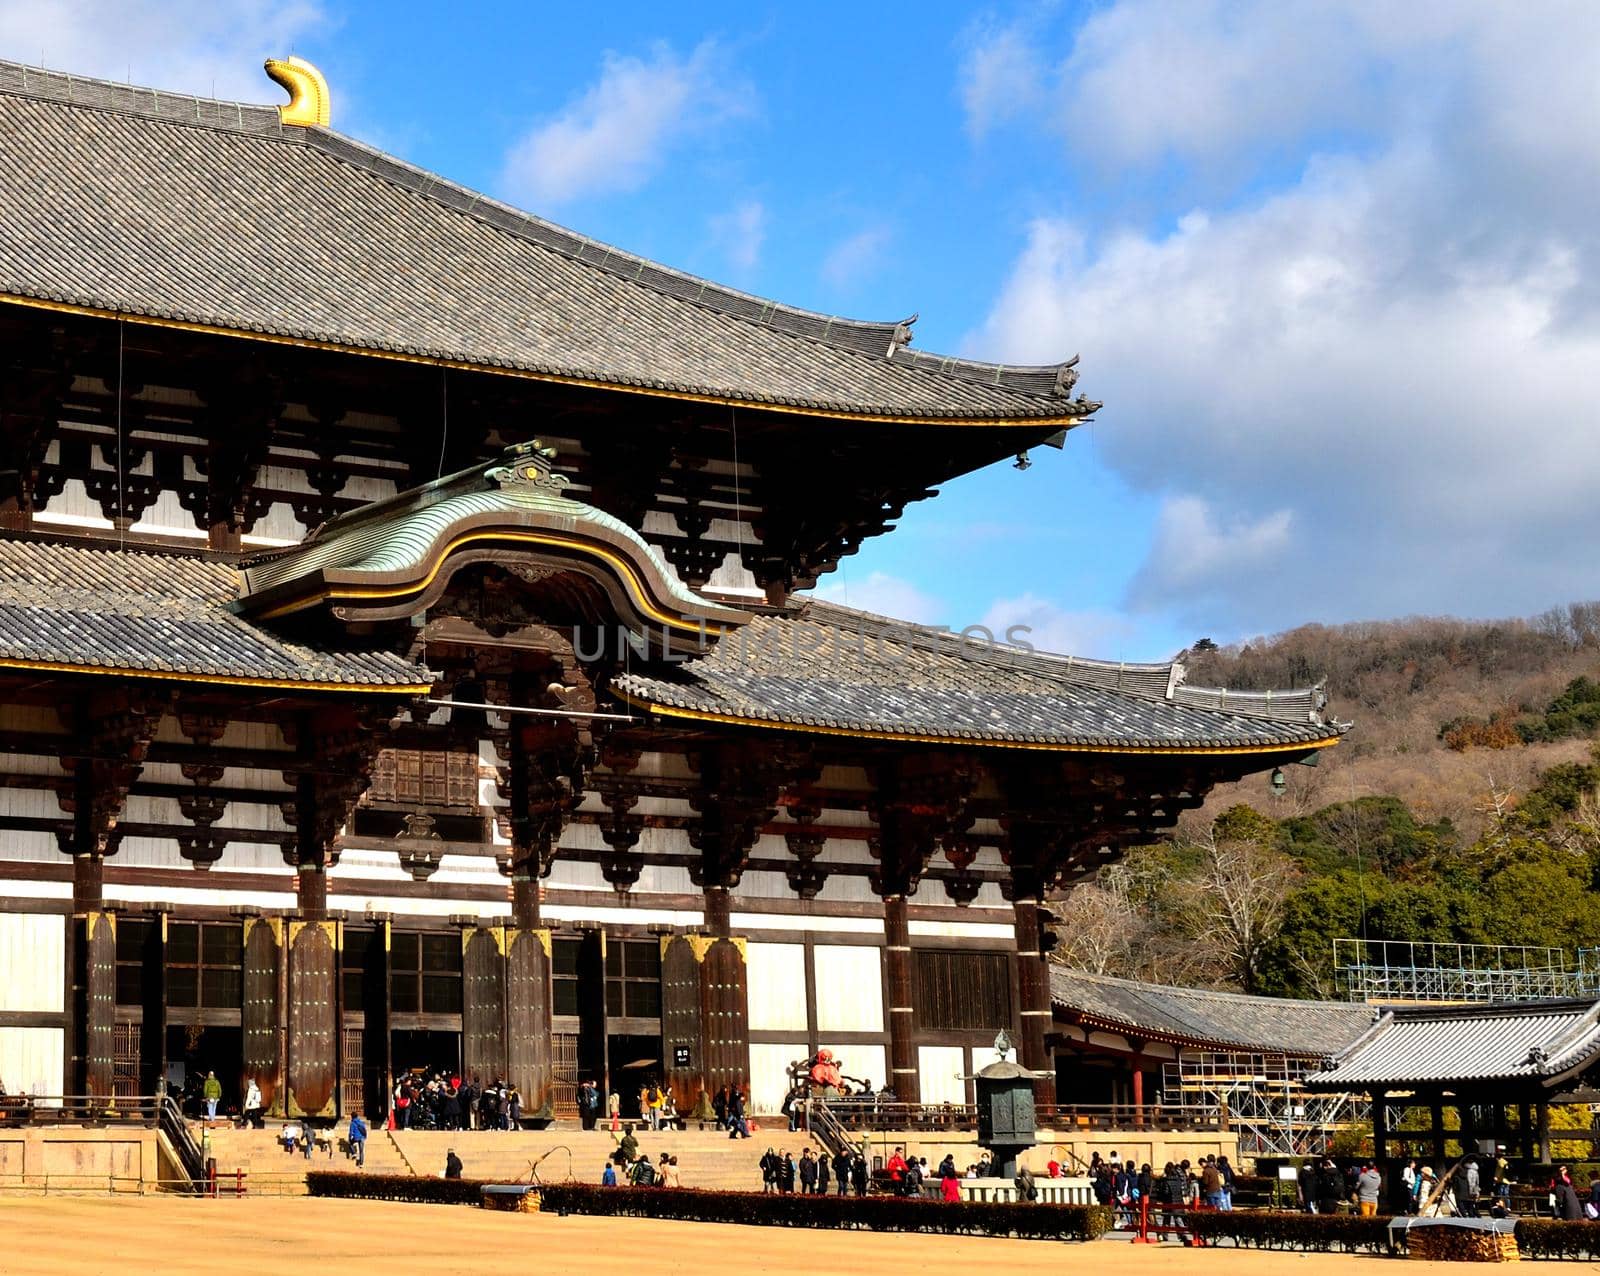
(175, 1236)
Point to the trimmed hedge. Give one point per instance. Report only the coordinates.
(1536, 1237)
(394, 1187)
(872, 1213)
(1319, 1232)
(1557, 1238)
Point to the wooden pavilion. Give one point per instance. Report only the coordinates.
(402, 658)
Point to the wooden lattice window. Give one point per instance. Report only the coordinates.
(564, 1081)
(958, 992)
(353, 1080)
(426, 777)
(125, 1060)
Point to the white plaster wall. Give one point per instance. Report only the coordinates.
(849, 989)
(33, 950)
(865, 1062)
(777, 983)
(31, 1060)
(939, 1070)
(769, 1075)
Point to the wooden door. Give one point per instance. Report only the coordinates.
(682, 1035)
(99, 948)
(260, 1012)
(483, 1004)
(313, 1018)
(725, 1001)
(527, 1039)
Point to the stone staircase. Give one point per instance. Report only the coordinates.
(706, 1158)
(270, 1171)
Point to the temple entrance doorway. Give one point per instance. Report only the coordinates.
(426, 1051)
(635, 1063)
(192, 1051)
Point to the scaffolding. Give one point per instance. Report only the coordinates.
(1402, 971)
(1263, 1098)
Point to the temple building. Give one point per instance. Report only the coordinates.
(406, 659)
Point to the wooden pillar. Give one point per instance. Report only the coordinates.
(1380, 1124)
(1138, 1093)
(719, 912)
(311, 891)
(1544, 1132)
(262, 1008)
(1525, 1135)
(1033, 991)
(313, 948)
(88, 881)
(1436, 1110)
(903, 1074)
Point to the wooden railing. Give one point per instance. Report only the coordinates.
(866, 1113)
(156, 1112)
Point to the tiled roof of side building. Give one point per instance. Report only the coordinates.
(1203, 1018)
(125, 200)
(76, 608)
(823, 667)
(1538, 1043)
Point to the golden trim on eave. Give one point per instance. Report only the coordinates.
(634, 581)
(914, 737)
(555, 378)
(221, 679)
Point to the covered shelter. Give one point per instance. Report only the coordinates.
(1484, 1062)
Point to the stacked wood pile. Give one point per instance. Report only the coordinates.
(1461, 1245)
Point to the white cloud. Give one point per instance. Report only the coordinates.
(1196, 553)
(855, 257)
(1001, 74)
(883, 595)
(617, 133)
(202, 47)
(1087, 632)
(1368, 390)
(740, 233)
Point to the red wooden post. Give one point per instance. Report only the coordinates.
(1144, 1237)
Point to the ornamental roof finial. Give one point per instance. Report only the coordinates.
(308, 92)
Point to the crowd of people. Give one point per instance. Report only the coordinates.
(443, 1101)
(1178, 1186)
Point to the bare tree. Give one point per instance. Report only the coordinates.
(1234, 905)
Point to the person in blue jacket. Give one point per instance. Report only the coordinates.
(609, 1178)
(358, 1139)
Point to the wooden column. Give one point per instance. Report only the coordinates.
(1544, 1132)
(1380, 1125)
(1033, 992)
(903, 1073)
(736, 794)
(1436, 1115)
(262, 1008)
(335, 749)
(719, 912)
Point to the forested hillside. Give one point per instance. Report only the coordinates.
(1462, 807)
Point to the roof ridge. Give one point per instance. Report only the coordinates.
(1006, 655)
(883, 340)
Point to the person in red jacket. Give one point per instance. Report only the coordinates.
(897, 1170)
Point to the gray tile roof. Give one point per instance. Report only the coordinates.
(105, 609)
(1536, 1042)
(1213, 1020)
(123, 199)
(831, 668)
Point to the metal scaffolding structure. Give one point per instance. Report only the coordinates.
(1261, 1096)
(1401, 971)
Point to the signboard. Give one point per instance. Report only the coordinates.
(680, 1056)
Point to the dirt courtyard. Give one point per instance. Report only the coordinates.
(176, 1236)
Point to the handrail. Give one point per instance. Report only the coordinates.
(191, 1157)
(826, 1128)
(867, 1113)
(97, 1109)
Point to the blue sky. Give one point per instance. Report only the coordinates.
(1331, 266)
